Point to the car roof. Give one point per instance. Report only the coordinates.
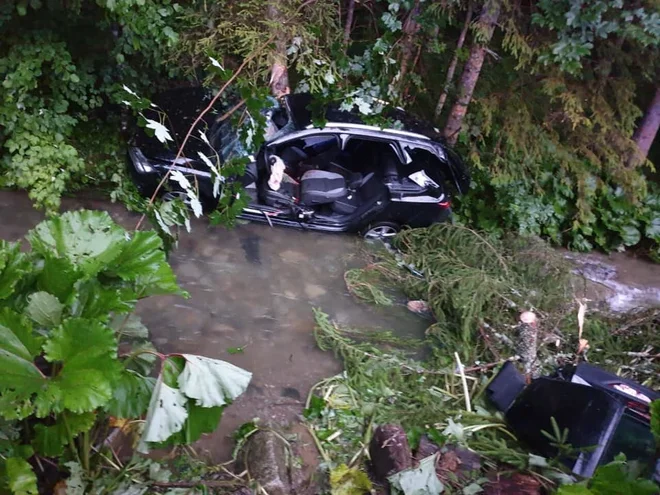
(361, 130)
(298, 106)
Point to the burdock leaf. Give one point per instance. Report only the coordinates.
(165, 417)
(212, 382)
(88, 239)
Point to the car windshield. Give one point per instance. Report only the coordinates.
(225, 136)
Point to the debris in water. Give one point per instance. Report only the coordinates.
(419, 307)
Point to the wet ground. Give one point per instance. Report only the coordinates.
(254, 288)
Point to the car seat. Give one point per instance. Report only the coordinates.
(319, 187)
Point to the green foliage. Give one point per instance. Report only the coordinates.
(364, 284)
(610, 220)
(349, 481)
(614, 478)
(476, 286)
(54, 77)
(21, 479)
(579, 26)
(655, 420)
(66, 308)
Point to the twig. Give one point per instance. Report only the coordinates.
(486, 338)
(484, 367)
(319, 447)
(466, 392)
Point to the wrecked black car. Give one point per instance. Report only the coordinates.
(344, 177)
(604, 414)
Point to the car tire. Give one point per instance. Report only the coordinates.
(383, 231)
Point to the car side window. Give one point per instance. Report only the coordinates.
(365, 155)
(423, 160)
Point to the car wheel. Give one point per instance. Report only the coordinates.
(383, 231)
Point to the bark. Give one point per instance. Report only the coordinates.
(648, 128)
(454, 62)
(410, 29)
(349, 21)
(279, 73)
(487, 21)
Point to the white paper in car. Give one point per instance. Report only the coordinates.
(422, 180)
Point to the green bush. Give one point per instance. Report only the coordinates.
(604, 217)
(74, 356)
(58, 62)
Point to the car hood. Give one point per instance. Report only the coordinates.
(177, 109)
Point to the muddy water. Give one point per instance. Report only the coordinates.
(252, 287)
(618, 282)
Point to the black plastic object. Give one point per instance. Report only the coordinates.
(605, 415)
(506, 386)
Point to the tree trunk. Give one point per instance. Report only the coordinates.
(487, 21)
(454, 62)
(279, 74)
(349, 21)
(410, 28)
(647, 129)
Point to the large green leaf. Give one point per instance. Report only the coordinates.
(615, 479)
(159, 282)
(18, 346)
(13, 266)
(653, 229)
(21, 477)
(87, 351)
(172, 368)
(140, 361)
(143, 261)
(200, 420)
(89, 239)
(131, 395)
(630, 235)
(94, 300)
(45, 309)
(50, 440)
(129, 325)
(57, 277)
(139, 256)
(15, 404)
(17, 335)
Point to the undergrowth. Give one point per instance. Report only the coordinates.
(476, 287)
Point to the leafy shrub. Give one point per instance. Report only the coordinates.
(59, 61)
(604, 217)
(614, 478)
(74, 356)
